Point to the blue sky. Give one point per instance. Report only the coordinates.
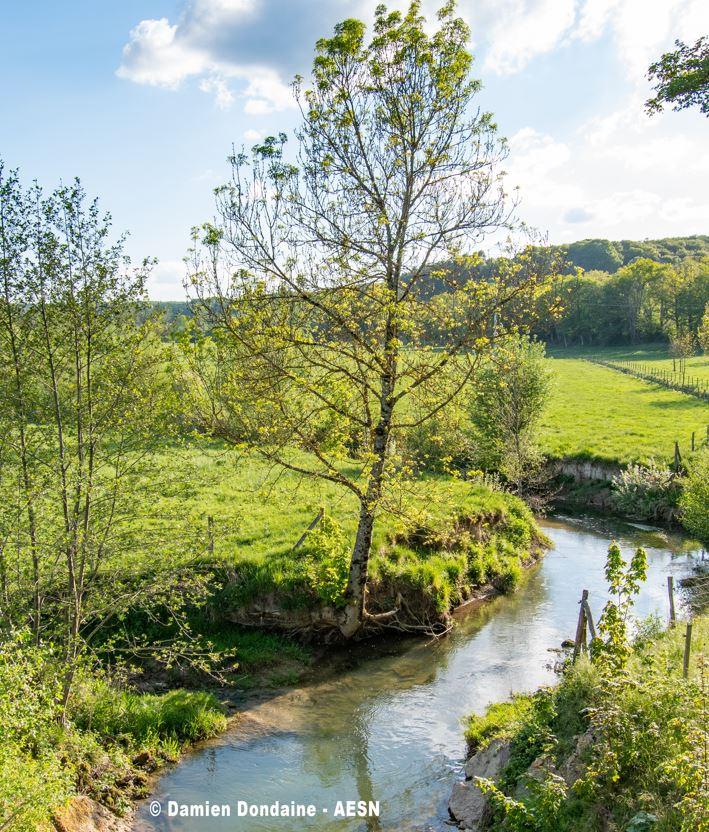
(143, 99)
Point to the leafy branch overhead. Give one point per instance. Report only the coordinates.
(682, 78)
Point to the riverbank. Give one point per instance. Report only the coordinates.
(118, 731)
(499, 645)
(386, 724)
(621, 750)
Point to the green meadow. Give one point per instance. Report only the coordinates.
(599, 413)
(441, 535)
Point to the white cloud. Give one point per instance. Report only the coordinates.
(621, 175)
(642, 29)
(159, 53)
(523, 29)
(218, 86)
(252, 135)
(517, 31)
(154, 55)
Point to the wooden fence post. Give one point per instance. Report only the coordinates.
(678, 457)
(210, 534)
(318, 518)
(580, 640)
(671, 593)
(687, 648)
(589, 618)
(692, 440)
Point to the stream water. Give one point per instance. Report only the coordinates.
(388, 728)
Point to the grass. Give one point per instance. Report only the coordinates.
(103, 747)
(654, 356)
(157, 722)
(600, 414)
(259, 515)
(501, 720)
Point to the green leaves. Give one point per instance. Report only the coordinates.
(682, 78)
(612, 649)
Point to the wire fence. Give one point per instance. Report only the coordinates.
(681, 381)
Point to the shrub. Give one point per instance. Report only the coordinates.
(326, 561)
(695, 498)
(647, 492)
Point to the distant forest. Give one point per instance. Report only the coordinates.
(610, 292)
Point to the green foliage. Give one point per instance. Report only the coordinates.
(595, 255)
(511, 391)
(611, 649)
(703, 331)
(647, 492)
(539, 812)
(660, 286)
(642, 759)
(682, 78)
(32, 778)
(48, 754)
(326, 560)
(695, 497)
(30, 787)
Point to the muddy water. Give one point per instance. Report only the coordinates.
(388, 729)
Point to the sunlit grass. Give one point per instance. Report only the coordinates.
(599, 413)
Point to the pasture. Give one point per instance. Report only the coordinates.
(598, 413)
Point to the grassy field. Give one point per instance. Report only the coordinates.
(652, 356)
(438, 538)
(598, 413)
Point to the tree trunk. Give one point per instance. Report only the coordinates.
(353, 614)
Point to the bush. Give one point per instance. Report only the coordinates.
(326, 561)
(45, 760)
(646, 492)
(695, 498)
(647, 758)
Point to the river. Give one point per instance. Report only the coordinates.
(388, 728)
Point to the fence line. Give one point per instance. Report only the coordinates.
(682, 382)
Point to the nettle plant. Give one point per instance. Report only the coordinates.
(611, 649)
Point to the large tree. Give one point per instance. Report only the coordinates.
(315, 274)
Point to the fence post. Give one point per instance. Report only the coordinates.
(692, 440)
(687, 648)
(318, 518)
(580, 639)
(210, 534)
(589, 618)
(678, 458)
(671, 593)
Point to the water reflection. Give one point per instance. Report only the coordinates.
(389, 730)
